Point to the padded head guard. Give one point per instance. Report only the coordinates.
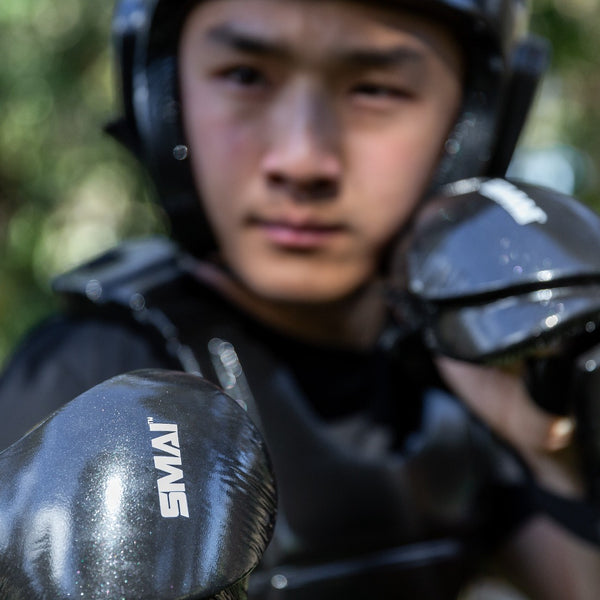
(494, 269)
(504, 66)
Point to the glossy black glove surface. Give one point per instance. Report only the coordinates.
(493, 267)
(151, 485)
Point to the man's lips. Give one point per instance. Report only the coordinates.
(301, 234)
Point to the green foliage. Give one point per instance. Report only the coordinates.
(67, 191)
(567, 111)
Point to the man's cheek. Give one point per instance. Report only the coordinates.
(390, 219)
(229, 157)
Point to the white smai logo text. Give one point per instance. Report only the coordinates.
(171, 488)
(515, 201)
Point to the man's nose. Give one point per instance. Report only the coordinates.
(303, 156)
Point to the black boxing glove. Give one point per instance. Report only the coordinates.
(493, 268)
(151, 485)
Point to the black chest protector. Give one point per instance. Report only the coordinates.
(363, 510)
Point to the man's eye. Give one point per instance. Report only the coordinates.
(374, 90)
(244, 76)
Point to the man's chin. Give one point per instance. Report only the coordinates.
(308, 293)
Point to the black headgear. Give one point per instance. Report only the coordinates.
(504, 66)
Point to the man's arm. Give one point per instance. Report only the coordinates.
(545, 561)
(543, 558)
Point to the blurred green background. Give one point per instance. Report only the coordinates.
(68, 192)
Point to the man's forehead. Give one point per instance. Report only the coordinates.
(335, 25)
(352, 52)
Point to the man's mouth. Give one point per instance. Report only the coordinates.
(301, 235)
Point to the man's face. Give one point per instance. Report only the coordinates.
(314, 128)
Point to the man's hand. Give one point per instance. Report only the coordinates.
(500, 398)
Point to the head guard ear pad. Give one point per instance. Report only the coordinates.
(493, 267)
(161, 136)
(151, 485)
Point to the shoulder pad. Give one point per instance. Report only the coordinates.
(124, 274)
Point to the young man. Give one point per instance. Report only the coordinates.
(292, 140)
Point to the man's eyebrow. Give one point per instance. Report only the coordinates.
(230, 36)
(396, 56)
